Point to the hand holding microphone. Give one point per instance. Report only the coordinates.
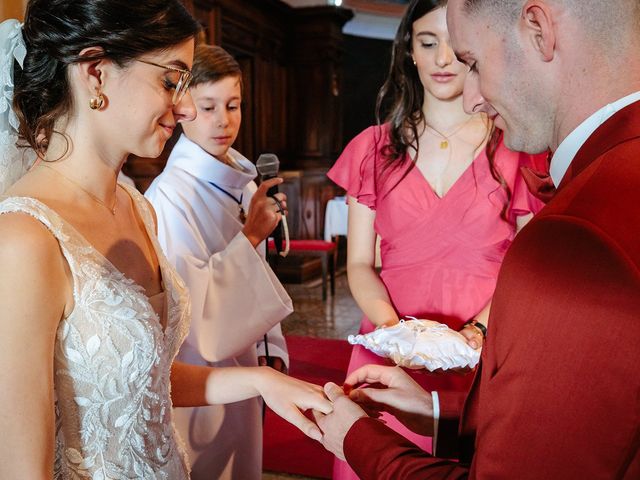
(267, 166)
(264, 212)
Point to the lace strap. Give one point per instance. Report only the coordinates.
(69, 245)
(39, 211)
(142, 204)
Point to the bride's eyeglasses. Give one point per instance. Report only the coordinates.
(179, 83)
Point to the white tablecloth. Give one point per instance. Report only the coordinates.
(336, 218)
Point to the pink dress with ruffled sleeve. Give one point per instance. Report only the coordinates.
(440, 256)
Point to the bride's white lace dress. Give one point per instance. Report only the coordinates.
(112, 362)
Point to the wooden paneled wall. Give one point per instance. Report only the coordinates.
(292, 62)
(12, 9)
(257, 34)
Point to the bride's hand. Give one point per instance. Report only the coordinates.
(289, 397)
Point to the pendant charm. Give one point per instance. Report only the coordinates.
(444, 144)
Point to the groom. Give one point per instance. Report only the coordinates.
(557, 394)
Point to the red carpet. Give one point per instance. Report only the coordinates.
(286, 449)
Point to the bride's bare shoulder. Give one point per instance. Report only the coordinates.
(21, 234)
(33, 277)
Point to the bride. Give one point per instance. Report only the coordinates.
(91, 313)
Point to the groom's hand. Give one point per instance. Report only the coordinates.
(335, 425)
(392, 390)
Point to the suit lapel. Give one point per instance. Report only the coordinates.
(623, 126)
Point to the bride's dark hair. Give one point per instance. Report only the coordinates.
(56, 31)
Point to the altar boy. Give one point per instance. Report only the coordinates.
(212, 223)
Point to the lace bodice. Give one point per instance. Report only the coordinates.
(112, 361)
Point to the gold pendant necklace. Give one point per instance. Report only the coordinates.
(444, 144)
(112, 209)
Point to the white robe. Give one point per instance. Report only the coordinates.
(236, 298)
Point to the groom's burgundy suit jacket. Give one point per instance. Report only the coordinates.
(557, 393)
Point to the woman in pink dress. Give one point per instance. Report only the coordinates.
(441, 191)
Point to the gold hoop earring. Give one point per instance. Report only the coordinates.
(96, 102)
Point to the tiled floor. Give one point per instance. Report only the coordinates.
(335, 318)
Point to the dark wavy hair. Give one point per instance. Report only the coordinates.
(402, 97)
(402, 92)
(56, 31)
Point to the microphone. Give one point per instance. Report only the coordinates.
(267, 166)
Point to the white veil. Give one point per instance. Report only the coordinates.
(14, 161)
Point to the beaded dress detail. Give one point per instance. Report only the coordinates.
(112, 361)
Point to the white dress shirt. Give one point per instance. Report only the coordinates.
(568, 148)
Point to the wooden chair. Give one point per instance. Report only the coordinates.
(315, 248)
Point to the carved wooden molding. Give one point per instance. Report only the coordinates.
(380, 7)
